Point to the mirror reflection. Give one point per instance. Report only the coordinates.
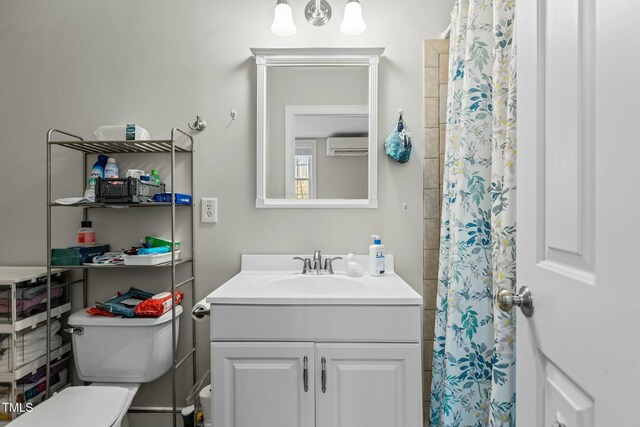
(317, 126)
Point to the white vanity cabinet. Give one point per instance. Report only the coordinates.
(263, 384)
(368, 385)
(289, 350)
(323, 384)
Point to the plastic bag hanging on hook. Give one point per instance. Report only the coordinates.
(398, 143)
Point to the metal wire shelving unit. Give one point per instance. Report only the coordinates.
(171, 147)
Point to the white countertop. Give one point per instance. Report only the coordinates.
(260, 277)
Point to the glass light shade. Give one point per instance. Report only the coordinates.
(353, 23)
(283, 21)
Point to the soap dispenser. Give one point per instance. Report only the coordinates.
(376, 257)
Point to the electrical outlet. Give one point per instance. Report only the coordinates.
(209, 210)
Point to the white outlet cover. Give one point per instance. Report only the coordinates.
(209, 210)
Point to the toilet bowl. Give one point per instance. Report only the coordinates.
(117, 355)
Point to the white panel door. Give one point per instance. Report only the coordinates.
(263, 385)
(578, 212)
(368, 385)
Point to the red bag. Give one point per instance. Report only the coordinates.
(157, 305)
(95, 311)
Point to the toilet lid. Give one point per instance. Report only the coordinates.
(78, 407)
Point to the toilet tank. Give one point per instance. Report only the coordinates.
(120, 350)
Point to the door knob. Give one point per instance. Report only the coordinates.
(524, 300)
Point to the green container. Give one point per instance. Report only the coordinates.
(77, 255)
(64, 257)
(156, 242)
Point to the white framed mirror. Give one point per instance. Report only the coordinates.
(317, 120)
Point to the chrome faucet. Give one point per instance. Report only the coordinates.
(317, 264)
(317, 260)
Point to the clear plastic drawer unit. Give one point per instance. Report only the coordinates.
(23, 336)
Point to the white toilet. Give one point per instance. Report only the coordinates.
(116, 355)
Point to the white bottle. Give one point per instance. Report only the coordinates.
(376, 257)
(111, 169)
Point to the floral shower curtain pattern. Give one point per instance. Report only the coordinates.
(474, 356)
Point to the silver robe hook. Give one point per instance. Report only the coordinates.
(198, 125)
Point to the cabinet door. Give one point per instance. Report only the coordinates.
(368, 385)
(263, 384)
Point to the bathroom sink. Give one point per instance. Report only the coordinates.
(315, 284)
(276, 280)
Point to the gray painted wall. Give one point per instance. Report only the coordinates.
(78, 65)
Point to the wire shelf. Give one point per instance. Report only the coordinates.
(77, 143)
(113, 147)
(119, 205)
(109, 266)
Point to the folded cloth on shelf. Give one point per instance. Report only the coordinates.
(30, 291)
(5, 318)
(28, 352)
(28, 338)
(29, 346)
(27, 392)
(41, 373)
(27, 304)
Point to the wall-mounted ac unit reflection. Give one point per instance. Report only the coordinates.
(355, 146)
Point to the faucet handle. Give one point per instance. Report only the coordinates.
(307, 264)
(328, 264)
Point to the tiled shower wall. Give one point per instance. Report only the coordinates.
(436, 69)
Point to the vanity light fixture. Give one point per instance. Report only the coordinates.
(283, 20)
(318, 13)
(353, 23)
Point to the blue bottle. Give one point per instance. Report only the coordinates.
(97, 171)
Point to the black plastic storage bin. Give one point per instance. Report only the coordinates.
(126, 190)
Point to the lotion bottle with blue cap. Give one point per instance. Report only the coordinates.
(376, 257)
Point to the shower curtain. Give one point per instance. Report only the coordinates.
(473, 380)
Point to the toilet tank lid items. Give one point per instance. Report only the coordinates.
(82, 318)
(136, 303)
